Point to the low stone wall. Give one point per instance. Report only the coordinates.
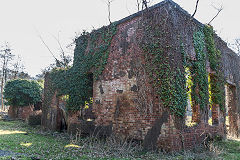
(190, 138)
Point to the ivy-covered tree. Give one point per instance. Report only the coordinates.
(21, 92)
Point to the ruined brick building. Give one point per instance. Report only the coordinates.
(159, 76)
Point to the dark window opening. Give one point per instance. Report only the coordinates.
(90, 85)
(87, 109)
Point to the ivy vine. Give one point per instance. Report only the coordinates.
(169, 84)
(216, 80)
(200, 76)
(90, 57)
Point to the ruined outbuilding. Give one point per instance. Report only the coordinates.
(20, 112)
(24, 112)
(159, 76)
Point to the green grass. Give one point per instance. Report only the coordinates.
(18, 137)
(231, 149)
(34, 144)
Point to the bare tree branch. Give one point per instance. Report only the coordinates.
(138, 5)
(60, 46)
(195, 9)
(109, 10)
(127, 8)
(218, 11)
(17, 67)
(145, 4)
(237, 43)
(47, 47)
(65, 60)
(108, 2)
(235, 46)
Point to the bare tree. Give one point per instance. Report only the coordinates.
(235, 46)
(218, 11)
(5, 56)
(64, 60)
(17, 68)
(138, 4)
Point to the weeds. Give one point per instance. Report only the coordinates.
(34, 143)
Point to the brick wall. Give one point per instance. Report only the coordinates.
(20, 112)
(117, 96)
(53, 117)
(125, 102)
(188, 137)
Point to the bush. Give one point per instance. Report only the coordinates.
(21, 92)
(35, 118)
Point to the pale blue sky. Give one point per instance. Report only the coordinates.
(23, 20)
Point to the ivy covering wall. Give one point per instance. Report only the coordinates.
(169, 82)
(199, 72)
(216, 79)
(90, 57)
(205, 88)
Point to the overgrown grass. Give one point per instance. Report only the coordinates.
(231, 148)
(18, 137)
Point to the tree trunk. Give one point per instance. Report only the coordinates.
(3, 108)
(2, 83)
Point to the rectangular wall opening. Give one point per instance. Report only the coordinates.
(231, 110)
(90, 85)
(87, 113)
(213, 109)
(192, 110)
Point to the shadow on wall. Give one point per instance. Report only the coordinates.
(150, 140)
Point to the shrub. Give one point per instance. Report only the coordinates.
(35, 118)
(21, 92)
